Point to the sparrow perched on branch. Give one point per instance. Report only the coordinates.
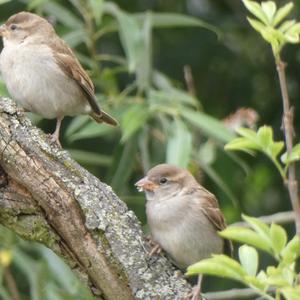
(183, 217)
(42, 73)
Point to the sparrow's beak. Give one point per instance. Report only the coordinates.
(146, 185)
(3, 30)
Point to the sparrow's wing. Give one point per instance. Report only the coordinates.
(69, 64)
(210, 208)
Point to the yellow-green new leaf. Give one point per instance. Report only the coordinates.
(247, 236)
(255, 282)
(269, 8)
(249, 259)
(286, 25)
(218, 267)
(265, 136)
(292, 250)
(282, 13)
(293, 156)
(242, 144)
(278, 237)
(256, 10)
(248, 133)
(260, 227)
(257, 25)
(291, 293)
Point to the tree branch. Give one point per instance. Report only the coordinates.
(289, 133)
(47, 197)
(285, 217)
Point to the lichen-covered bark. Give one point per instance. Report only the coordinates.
(49, 198)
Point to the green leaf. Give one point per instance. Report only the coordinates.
(292, 250)
(32, 4)
(63, 15)
(91, 130)
(97, 9)
(247, 236)
(255, 282)
(292, 33)
(171, 96)
(75, 38)
(207, 153)
(242, 144)
(274, 149)
(265, 136)
(269, 8)
(214, 175)
(123, 164)
(209, 125)
(257, 25)
(133, 119)
(294, 155)
(282, 13)
(179, 145)
(130, 34)
(75, 124)
(249, 259)
(170, 20)
(219, 265)
(286, 25)
(291, 293)
(144, 61)
(256, 10)
(278, 238)
(248, 133)
(260, 227)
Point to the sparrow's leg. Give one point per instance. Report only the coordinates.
(55, 134)
(196, 292)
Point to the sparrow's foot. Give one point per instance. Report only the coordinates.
(55, 140)
(156, 248)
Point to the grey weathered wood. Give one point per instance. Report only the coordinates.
(51, 199)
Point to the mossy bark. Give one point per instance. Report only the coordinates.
(45, 196)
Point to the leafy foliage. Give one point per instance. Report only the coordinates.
(135, 60)
(281, 277)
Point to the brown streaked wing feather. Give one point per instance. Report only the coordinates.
(69, 64)
(210, 208)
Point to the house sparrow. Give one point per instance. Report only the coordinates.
(183, 217)
(42, 73)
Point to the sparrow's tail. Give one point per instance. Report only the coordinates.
(104, 117)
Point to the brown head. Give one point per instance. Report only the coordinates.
(24, 25)
(165, 180)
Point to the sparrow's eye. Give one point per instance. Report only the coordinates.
(13, 27)
(163, 180)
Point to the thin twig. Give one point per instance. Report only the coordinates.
(231, 294)
(279, 218)
(289, 133)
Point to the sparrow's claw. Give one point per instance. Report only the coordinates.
(156, 250)
(55, 140)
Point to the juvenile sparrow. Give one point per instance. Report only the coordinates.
(183, 217)
(42, 73)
